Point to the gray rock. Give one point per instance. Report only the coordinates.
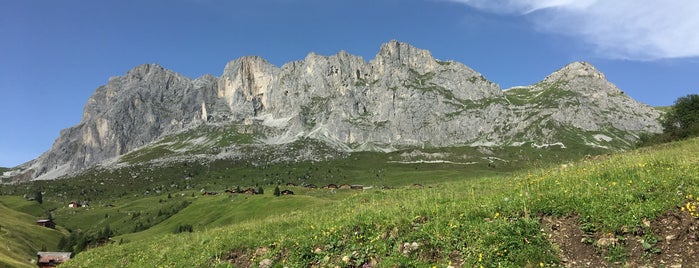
(402, 97)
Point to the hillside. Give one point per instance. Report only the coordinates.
(402, 98)
(625, 209)
(21, 237)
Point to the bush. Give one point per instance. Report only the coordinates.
(184, 228)
(277, 192)
(682, 121)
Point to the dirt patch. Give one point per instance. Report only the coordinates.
(567, 236)
(238, 258)
(677, 243)
(673, 241)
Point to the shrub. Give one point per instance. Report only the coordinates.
(682, 121)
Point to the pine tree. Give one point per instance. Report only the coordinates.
(39, 197)
(277, 192)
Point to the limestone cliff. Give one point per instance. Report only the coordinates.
(402, 97)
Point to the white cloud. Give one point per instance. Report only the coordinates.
(629, 29)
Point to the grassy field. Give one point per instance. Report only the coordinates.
(20, 237)
(488, 220)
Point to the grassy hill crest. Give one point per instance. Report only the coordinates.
(616, 203)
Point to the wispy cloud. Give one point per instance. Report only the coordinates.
(628, 29)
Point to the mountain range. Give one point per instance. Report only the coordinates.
(402, 98)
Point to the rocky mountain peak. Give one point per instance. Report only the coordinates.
(403, 97)
(398, 53)
(143, 71)
(575, 70)
(244, 84)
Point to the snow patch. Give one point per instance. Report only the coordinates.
(517, 143)
(484, 144)
(602, 137)
(547, 145)
(492, 158)
(517, 87)
(432, 162)
(418, 153)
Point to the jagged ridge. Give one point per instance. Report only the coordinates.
(402, 97)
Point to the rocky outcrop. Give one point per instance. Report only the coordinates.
(129, 111)
(402, 97)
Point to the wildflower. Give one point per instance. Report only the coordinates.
(541, 264)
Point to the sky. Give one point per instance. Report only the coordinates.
(54, 54)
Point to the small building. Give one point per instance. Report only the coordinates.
(331, 186)
(51, 259)
(250, 191)
(287, 192)
(291, 184)
(345, 186)
(357, 187)
(46, 223)
(73, 204)
(311, 186)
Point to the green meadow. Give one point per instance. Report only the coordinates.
(460, 217)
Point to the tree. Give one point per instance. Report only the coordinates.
(682, 121)
(39, 197)
(260, 190)
(105, 234)
(277, 192)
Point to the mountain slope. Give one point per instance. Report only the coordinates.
(401, 98)
(484, 221)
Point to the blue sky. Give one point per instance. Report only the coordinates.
(54, 54)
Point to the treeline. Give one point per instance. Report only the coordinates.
(79, 241)
(680, 122)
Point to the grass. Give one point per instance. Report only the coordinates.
(542, 95)
(484, 221)
(199, 140)
(20, 237)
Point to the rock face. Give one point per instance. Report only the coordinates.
(402, 97)
(128, 112)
